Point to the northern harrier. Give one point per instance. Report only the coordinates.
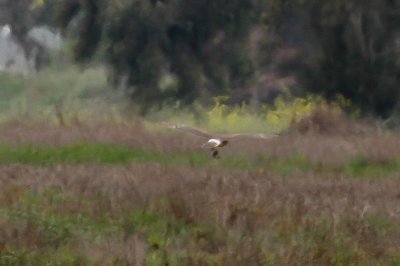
(216, 141)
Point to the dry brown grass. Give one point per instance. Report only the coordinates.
(132, 135)
(244, 205)
(253, 218)
(339, 141)
(133, 185)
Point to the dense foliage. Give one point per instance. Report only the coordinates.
(166, 49)
(186, 50)
(344, 47)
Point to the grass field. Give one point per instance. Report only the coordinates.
(83, 182)
(128, 194)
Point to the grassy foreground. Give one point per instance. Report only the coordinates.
(123, 195)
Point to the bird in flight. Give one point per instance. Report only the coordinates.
(216, 141)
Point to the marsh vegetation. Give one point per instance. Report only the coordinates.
(132, 193)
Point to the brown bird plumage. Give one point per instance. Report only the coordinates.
(216, 141)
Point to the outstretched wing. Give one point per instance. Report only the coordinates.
(247, 136)
(204, 134)
(194, 131)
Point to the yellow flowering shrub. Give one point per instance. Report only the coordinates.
(271, 118)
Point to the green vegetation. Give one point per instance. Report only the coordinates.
(58, 222)
(69, 90)
(91, 153)
(166, 50)
(92, 202)
(58, 233)
(343, 47)
(186, 51)
(86, 153)
(88, 178)
(83, 96)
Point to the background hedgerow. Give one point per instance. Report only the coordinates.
(73, 96)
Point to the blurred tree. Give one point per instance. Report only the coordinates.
(22, 16)
(171, 49)
(347, 47)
